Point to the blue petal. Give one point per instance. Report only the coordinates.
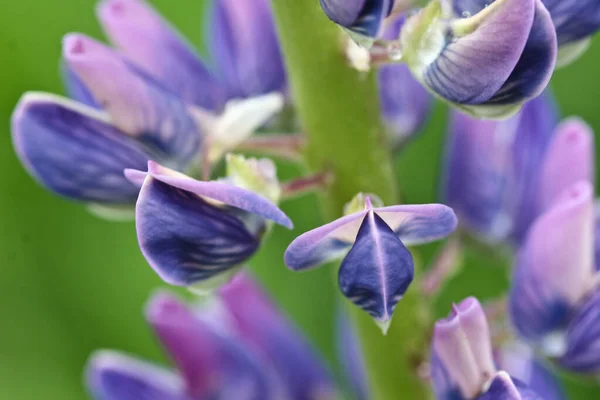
(583, 338)
(136, 103)
(155, 46)
(113, 376)
(187, 240)
(245, 46)
(360, 16)
(443, 386)
(503, 387)
(536, 65)
(574, 19)
(378, 269)
(73, 151)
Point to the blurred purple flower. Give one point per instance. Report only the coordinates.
(377, 268)
(501, 175)
(462, 362)
(220, 351)
(486, 58)
(152, 98)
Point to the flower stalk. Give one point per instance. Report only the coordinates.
(339, 109)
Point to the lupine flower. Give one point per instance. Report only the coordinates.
(221, 351)
(554, 296)
(150, 99)
(405, 103)
(500, 176)
(462, 364)
(575, 21)
(198, 234)
(486, 59)
(377, 268)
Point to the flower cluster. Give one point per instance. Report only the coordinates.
(148, 133)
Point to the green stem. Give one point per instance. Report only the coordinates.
(340, 113)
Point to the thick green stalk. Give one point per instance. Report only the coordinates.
(340, 114)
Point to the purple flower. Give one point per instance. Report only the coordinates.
(462, 364)
(196, 233)
(220, 351)
(377, 268)
(486, 58)
(152, 98)
(501, 175)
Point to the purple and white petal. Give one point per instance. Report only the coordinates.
(377, 271)
(444, 387)
(245, 47)
(114, 376)
(258, 324)
(583, 338)
(136, 103)
(76, 89)
(419, 224)
(213, 365)
(74, 151)
(222, 192)
(186, 239)
(569, 159)
(471, 63)
(555, 268)
(151, 43)
(574, 20)
(503, 387)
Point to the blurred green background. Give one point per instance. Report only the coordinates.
(71, 283)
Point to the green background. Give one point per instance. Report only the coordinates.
(71, 283)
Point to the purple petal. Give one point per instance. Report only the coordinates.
(492, 169)
(597, 235)
(555, 266)
(72, 150)
(230, 195)
(245, 47)
(323, 244)
(472, 68)
(135, 103)
(444, 387)
(574, 19)
(569, 159)
(377, 271)
(364, 17)
(463, 345)
(149, 41)
(351, 358)
(503, 387)
(520, 362)
(113, 376)
(76, 88)
(536, 65)
(405, 103)
(583, 338)
(260, 325)
(212, 364)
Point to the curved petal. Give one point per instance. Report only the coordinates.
(114, 376)
(492, 169)
(135, 103)
(72, 150)
(569, 159)
(536, 65)
(227, 194)
(212, 364)
(377, 271)
(76, 88)
(149, 41)
(343, 12)
(555, 266)
(506, 388)
(583, 338)
(444, 387)
(323, 244)
(187, 240)
(574, 19)
(245, 47)
(363, 17)
(474, 60)
(260, 325)
(419, 224)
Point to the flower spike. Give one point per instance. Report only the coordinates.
(377, 267)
